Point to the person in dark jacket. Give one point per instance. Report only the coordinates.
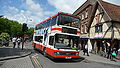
(85, 50)
(109, 53)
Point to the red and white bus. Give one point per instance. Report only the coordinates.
(56, 37)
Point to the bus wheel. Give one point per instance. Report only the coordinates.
(44, 52)
(34, 46)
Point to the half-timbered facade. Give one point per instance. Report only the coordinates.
(103, 25)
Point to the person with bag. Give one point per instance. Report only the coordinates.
(14, 42)
(18, 41)
(85, 50)
(113, 53)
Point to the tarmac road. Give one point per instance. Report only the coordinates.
(39, 61)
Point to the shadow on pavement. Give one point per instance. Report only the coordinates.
(6, 52)
(68, 61)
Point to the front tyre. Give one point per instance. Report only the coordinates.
(34, 46)
(44, 52)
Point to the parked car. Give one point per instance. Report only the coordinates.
(4, 43)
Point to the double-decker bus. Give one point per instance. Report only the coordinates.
(56, 37)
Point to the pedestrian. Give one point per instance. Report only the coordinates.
(109, 52)
(11, 39)
(85, 50)
(18, 42)
(118, 52)
(14, 41)
(113, 53)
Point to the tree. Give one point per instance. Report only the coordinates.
(4, 36)
(13, 28)
(30, 32)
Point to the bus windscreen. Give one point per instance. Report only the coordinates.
(66, 41)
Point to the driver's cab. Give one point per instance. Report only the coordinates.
(62, 41)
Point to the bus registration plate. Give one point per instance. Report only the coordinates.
(68, 57)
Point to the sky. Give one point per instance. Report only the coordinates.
(35, 11)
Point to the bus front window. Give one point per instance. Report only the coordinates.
(66, 41)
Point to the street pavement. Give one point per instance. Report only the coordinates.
(100, 59)
(15, 57)
(24, 62)
(11, 53)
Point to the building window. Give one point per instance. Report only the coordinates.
(82, 28)
(97, 18)
(85, 28)
(82, 16)
(98, 28)
(86, 14)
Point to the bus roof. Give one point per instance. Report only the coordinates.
(57, 15)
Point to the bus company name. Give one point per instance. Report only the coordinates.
(38, 32)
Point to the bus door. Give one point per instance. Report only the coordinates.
(50, 45)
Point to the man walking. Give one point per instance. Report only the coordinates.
(85, 50)
(18, 41)
(14, 42)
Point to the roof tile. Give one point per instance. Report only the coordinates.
(112, 10)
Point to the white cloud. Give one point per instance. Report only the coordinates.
(33, 10)
(68, 6)
(32, 14)
(31, 5)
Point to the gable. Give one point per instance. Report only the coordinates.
(112, 10)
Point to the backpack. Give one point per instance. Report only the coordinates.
(114, 54)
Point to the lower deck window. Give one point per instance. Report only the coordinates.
(39, 39)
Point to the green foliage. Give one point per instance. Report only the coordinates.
(13, 28)
(4, 36)
(30, 32)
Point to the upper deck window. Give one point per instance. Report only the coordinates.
(68, 20)
(48, 23)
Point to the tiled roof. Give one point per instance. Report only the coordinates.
(112, 10)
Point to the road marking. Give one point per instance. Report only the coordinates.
(37, 62)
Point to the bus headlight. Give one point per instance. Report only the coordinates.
(57, 53)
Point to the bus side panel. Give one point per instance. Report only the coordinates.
(37, 46)
(49, 51)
